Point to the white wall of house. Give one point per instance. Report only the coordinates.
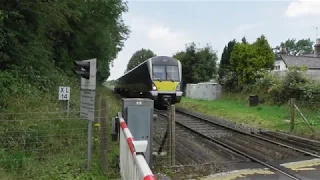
(314, 73)
(279, 65)
(280, 69)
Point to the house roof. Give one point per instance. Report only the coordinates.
(311, 62)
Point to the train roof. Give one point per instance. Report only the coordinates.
(156, 60)
(164, 60)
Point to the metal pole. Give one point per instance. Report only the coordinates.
(68, 106)
(173, 136)
(170, 135)
(89, 144)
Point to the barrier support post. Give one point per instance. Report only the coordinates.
(170, 135)
(173, 134)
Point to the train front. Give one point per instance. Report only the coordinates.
(166, 77)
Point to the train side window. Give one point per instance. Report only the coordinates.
(159, 73)
(173, 73)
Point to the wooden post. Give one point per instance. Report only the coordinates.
(292, 102)
(170, 135)
(305, 119)
(104, 134)
(173, 134)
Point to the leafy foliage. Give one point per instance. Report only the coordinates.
(295, 84)
(198, 64)
(225, 67)
(292, 46)
(37, 37)
(139, 57)
(244, 40)
(249, 72)
(247, 59)
(39, 40)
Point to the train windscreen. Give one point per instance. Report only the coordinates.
(159, 73)
(172, 73)
(162, 73)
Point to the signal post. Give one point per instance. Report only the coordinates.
(87, 69)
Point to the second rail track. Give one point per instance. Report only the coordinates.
(195, 125)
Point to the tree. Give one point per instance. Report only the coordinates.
(247, 59)
(293, 47)
(198, 64)
(244, 40)
(224, 67)
(207, 61)
(264, 50)
(304, 45)
(139, 57)
(179, 55)
(100, 33)
(40, 36)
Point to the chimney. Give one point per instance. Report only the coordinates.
(317, 48)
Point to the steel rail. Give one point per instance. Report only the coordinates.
(234, 149)
(252, 135)
(240, 152)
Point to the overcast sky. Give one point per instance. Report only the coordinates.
(165, 26)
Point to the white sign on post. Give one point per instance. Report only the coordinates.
(64, 93)
(87, 102)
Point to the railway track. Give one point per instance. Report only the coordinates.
(261, 148)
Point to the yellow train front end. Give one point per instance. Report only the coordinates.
(166, 78)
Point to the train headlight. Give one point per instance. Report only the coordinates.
(154, 87)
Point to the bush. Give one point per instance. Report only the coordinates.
(229, 82)
(295, 84)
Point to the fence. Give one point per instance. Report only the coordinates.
(132, 163)
(47, 144)
(304, 117)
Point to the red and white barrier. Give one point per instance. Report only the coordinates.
(133, 166)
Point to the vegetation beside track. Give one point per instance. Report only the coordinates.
(114, 106)
(265, 116)
(40, 40)
(52, 149)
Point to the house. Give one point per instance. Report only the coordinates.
(311, 61)
(284, 61)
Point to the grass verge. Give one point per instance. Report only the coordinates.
(114, 106)
(263, 116)
(39, 141)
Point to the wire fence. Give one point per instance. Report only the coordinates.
(304, 117)
(33, 141)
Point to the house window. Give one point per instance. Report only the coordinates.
(277, 67)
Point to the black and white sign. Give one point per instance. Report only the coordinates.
(64, 93)
(90, 83)
(87, 102)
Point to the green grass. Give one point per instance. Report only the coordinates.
(114, 106)
(263, 116)
(48, 146)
